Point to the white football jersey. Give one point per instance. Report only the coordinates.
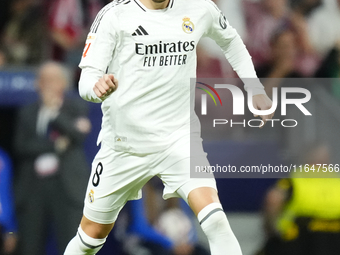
(152, 53)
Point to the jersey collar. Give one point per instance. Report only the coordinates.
(141, 6)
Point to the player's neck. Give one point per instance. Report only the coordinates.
(155, 4)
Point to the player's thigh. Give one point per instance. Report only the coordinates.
(177, 176)
(116, 177)
(198, 191)
(179, 183)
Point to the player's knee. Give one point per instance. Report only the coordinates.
(95, 230)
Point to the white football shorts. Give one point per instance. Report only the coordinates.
(117, 177)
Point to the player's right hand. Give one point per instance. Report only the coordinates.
(105, 86)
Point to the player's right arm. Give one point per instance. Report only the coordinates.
(94, 84)
(238, 56)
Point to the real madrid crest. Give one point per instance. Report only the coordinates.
(223, 21)
(188, 26)
(91, 196)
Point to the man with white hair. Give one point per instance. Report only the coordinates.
(49, 149)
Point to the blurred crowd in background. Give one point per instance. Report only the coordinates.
(44, 141)
(286, 38)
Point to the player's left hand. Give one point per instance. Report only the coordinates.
(263, 102)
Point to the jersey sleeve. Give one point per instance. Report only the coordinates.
(98, 51)
(233, 48)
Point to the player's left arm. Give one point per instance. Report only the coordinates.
(238, 56)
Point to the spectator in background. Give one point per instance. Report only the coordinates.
(302, 214)
(263, 19)
(283, 60)
(330, 68)
(308, 61)
(66, 28)
(49, 148)
(24, 35)
(283, 52)
(266, 17)
(207, 66)
(68, 24)
(323, 27)
(8, 228)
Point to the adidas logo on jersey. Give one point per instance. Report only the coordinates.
(140, 31)
(120, 139)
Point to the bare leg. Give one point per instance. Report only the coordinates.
(95, 230)
(201, 197)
